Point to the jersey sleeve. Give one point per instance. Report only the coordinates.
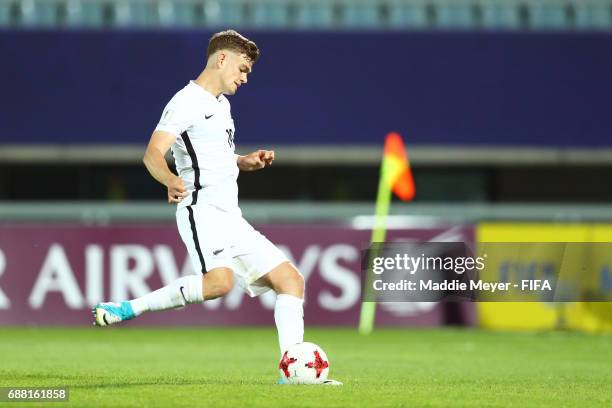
(177, 116)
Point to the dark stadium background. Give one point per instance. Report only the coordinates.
(503, 116)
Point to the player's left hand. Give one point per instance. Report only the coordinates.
(256, 160)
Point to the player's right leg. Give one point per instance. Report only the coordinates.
(207, 254)
(183, 291)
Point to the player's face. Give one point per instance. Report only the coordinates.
(234, 71)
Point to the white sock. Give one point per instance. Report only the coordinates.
(182, 291)
(289, 318)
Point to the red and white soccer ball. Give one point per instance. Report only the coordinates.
(304, 363)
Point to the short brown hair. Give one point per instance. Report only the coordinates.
(233, 41)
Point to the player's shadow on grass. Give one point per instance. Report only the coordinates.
(76, 381)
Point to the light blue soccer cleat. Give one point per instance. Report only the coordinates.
(109, 313)
(331, 382)
(281, 381)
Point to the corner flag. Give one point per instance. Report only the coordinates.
(395, 164)
(396, 177)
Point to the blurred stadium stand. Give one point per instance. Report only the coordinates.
(312, 14)
(501, 100)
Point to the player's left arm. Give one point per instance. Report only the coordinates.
(256, 160)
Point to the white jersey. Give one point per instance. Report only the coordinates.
(204, 148)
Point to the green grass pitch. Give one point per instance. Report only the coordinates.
(215, 367)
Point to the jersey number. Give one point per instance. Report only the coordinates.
(230, 137)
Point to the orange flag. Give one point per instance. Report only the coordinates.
(396, 167)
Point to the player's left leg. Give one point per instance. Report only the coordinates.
(288, 284)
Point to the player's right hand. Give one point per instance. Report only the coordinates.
(176, 190)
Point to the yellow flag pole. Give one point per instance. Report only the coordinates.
(379, 232)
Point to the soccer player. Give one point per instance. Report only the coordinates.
(197, 125)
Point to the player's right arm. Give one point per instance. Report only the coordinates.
(176, 118)
(155, 162)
